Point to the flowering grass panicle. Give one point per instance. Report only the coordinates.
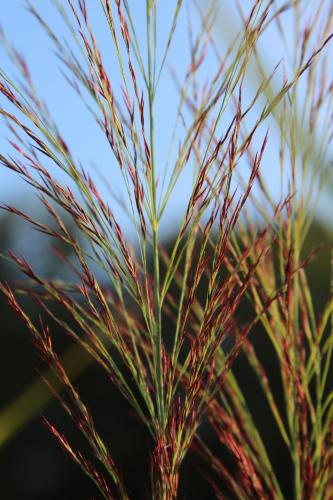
(235, 244)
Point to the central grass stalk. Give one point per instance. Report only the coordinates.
(155, 223)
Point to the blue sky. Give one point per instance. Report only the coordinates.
(76, 125)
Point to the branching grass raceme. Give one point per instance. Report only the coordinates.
(165, 324)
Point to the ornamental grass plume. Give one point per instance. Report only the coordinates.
(236, 243)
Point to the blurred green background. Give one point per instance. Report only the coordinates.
(32, 464)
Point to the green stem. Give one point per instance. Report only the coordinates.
(154, 219)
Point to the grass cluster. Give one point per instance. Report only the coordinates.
(235, 243)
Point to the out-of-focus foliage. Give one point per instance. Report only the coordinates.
(32, 464)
